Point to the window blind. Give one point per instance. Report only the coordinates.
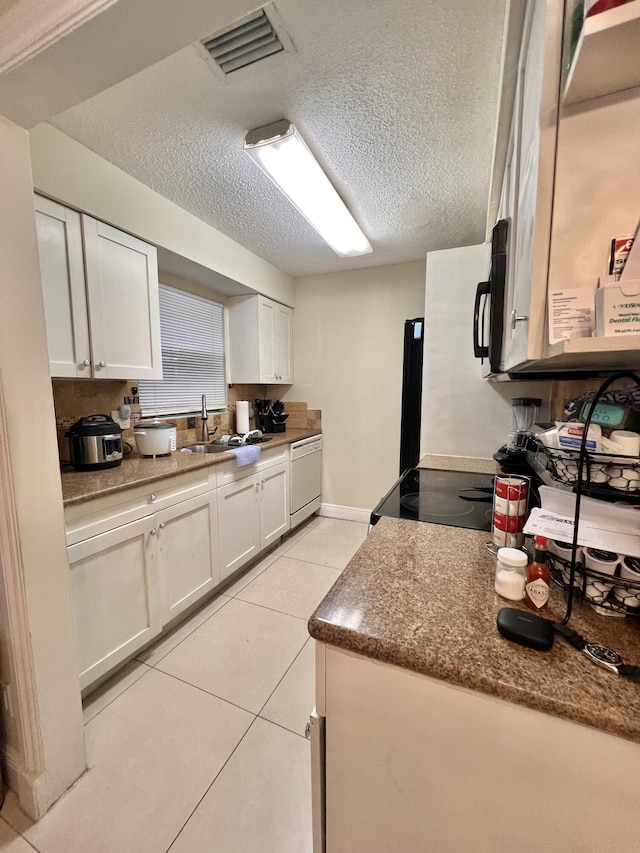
(192, 339)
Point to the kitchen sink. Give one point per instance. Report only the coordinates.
(215, 447)
(206, 448)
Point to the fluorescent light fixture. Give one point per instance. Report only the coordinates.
(281, 153)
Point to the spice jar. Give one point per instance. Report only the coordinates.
(511, 573)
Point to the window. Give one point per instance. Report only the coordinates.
(192, 337)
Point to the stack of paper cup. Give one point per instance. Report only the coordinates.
(509, 510)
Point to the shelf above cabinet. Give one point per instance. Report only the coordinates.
(607, 57)
(591, 354)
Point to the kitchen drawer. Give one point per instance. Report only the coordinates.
(229, 472)
(102, 514)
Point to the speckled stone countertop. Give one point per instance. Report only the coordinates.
(421, 596)
(458, 463)
(81, 486)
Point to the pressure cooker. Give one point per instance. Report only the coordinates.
(95, 442)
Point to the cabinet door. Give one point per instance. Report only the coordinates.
(267, 342)
(188, 553)
(124, 314)
(63, 288)
(239, 524)
(283, 330)
(535, 119)
(115, 593)
(274, 504)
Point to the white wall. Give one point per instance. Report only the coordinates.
(348, 347)
(462, 414)
(72, 174)
(32, 542)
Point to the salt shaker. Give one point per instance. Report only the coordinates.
(511, 573)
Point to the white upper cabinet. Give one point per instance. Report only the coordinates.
(260, 340)
(63, 286)
(124, 315)
(100, 289)
(568, 188)
(528, 185)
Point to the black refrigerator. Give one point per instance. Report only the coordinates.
(411, 393)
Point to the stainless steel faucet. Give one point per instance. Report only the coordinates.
(205, 417)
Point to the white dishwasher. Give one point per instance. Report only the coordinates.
(306, 478)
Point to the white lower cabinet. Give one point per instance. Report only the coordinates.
(140, 558)
(116, 595)
(274, 504)
(254, 513)
(239, 524)
(187, 553)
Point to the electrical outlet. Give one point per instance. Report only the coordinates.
(191, 423)
(125, 423)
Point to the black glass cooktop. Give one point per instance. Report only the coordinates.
(455, 498)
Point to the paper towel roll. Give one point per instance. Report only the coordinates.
(242, 416)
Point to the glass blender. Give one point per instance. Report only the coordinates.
(525, 411)
(512, 455)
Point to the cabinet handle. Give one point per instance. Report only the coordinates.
(85, 363)
(162, 525)
(516, 318)
(102, 364)
(152, 498)
(153, 531)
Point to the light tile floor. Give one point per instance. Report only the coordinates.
(197, 746)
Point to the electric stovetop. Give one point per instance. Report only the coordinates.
(455, 498)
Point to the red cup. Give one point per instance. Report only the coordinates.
(508, 523)
(511, 488)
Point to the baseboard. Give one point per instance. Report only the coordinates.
(26, 787)
(347, 513)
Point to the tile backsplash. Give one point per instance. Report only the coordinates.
(75, 398)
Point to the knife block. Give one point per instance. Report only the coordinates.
(266, 423)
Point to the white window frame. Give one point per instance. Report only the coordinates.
(151, 388)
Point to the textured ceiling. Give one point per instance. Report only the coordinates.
(398, 101)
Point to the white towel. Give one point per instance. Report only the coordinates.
(246, 455)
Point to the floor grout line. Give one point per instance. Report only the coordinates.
(97, 714)
(273, 610)
(19, 834)
(231, 754)
(322, 565)
(280, 682)
(166, 637)
(280, 726)
(207, 692)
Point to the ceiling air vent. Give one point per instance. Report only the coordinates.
(252, 39)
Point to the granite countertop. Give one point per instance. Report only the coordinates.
(81, 486)
(421, 596)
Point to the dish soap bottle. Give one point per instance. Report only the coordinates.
(536, 590)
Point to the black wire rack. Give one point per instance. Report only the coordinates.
(607, 593)
(580, 488)
(605, 476)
